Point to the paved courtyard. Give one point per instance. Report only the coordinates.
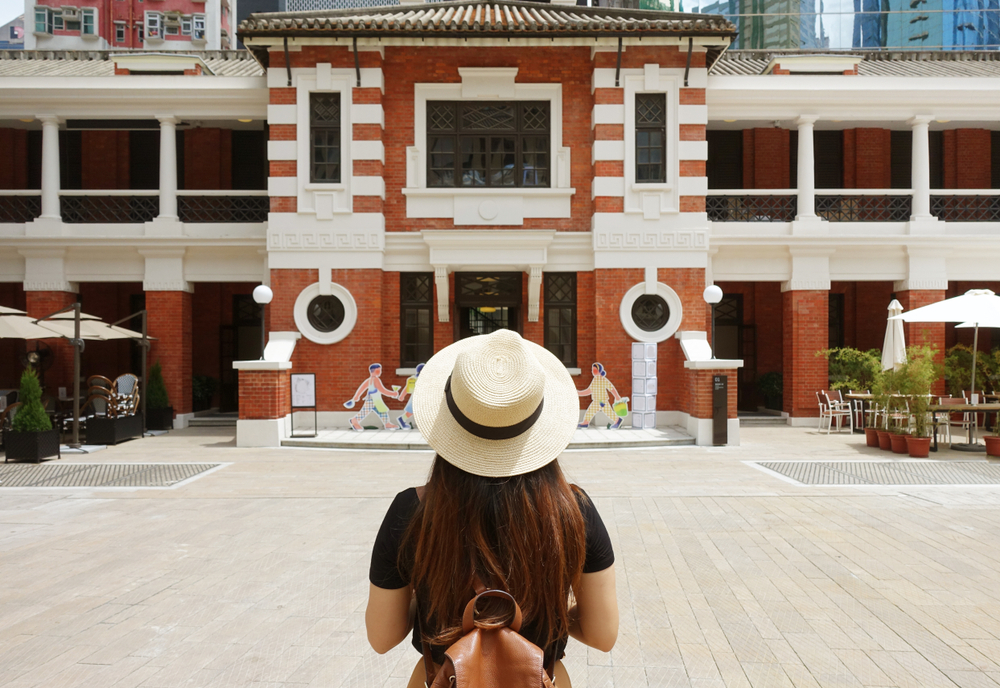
(255, 573)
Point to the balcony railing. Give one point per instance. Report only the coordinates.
(759, 206)
(223, 206)
(20, 206)
(966, 206)
(108, 207)
(868, 206)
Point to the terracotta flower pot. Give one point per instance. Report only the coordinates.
(898, 444)
(884, 439)
(918, 447)
(871, 437)
(992, 445)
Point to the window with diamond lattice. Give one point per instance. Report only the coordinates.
(326, 313)
(560, 316)
(324, 130)
(650, 312)
(499, 289)
(416, 296)
(476, 144)
(650, 137)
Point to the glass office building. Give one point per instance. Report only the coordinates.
(864, 24)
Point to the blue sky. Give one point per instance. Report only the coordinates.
(10, 9)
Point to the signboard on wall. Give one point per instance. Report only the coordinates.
(304, 390)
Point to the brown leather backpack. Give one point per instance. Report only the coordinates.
(490, 657)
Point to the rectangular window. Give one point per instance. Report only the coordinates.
(57, 21)
(72, 25)
(172, 30)
(199, 27)
(560, 316)
(324, 130)
(154, 23)
(186, 26)
(416, 308)
(474, 144)
(43, 20)
(119, 33)
(88, 19)
(650, 137)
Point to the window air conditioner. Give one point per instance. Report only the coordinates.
(70, 13)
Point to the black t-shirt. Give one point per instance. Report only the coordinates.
(385, 572)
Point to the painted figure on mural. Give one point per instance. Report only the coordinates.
(598, 390)
(405, 421)
(371, 390)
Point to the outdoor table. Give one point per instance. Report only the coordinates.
(864, 398)
(963, 408)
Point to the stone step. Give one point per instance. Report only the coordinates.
(762, 421)
(210, 422)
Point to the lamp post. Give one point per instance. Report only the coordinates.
(712, 296)
(262, 294)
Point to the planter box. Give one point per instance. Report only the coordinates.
(31, 446)
(160, 419)
(114, 430)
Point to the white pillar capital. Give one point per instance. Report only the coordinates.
(48, 119)
(918, 120)
(167, 119)
(806, 120)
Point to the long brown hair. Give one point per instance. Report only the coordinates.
(523, 534)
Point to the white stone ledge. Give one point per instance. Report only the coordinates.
(715, 364)
(611, 150)
(262, 365)
(282, 186)
(692, 114)
(368, 186)
(692, 150)
(608, 186)
(368, 150)
(282, 150)
(367, 114)
(608, 114)
(282, 114)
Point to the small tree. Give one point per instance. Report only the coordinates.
(917, 376)
(156, 390)
(31, 417)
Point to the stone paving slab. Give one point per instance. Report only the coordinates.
(256, 575)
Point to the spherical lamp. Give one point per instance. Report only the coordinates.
(262, 294)
(712, 296)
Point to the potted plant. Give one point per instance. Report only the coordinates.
(202, 390)
(159, 412)
(882, 392)
(855, 369)
(32, 436)
(771, 387)
(919, 373)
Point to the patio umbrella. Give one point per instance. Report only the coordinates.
(91, 327)
(975, 308)
(15, 324)
(894, 346)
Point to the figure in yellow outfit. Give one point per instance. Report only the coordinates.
(598, 391)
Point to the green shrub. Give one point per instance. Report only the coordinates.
(958, 369)
(156, 390)
(852, 368)
(771, 387)
(31, 416)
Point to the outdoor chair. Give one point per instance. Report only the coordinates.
(839, 410)
(824, 410)
(126, 394)
(950, 420)
(99, 381)
(96, 406)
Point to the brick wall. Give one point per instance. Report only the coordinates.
(805, 332)
(38, 304)
(967, 159)
(766, 159)
(612, 345)
(208, 159)
(13, 158)
(930, 334)
(867, 159)
(170, 321)
(696, 392)
(265, 394)
(104, 160)
(109, 301)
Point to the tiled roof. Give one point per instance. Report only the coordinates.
(484, 18)
(101, 63)
(942, 63)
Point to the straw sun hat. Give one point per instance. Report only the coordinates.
(496, 405)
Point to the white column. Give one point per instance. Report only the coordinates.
(168, 167)
(805, 166)
(50, 166)
(920, 171)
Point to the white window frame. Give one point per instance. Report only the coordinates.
(57, 21)
(652, 199)
(172, 30)
(324, 199)
(496, 205)
(47, 21)
(153, 26)
(120, 32)
(91, 13)
(198, 27)
(186, 25)
(301, 315)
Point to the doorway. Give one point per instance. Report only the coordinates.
(237, 342)
(487, 303)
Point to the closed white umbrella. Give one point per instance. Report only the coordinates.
(894, 346)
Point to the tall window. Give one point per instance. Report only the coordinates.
(88, 17)
(199, 27)
(560, 316)
(324, 123)
(488, 144)
(416, 296)
(650, 137)
(44, 20)
(119, 33)
(154, 24)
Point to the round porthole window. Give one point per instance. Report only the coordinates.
(326, 313)
(650, 312)
(325, 318)
(651, 317)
